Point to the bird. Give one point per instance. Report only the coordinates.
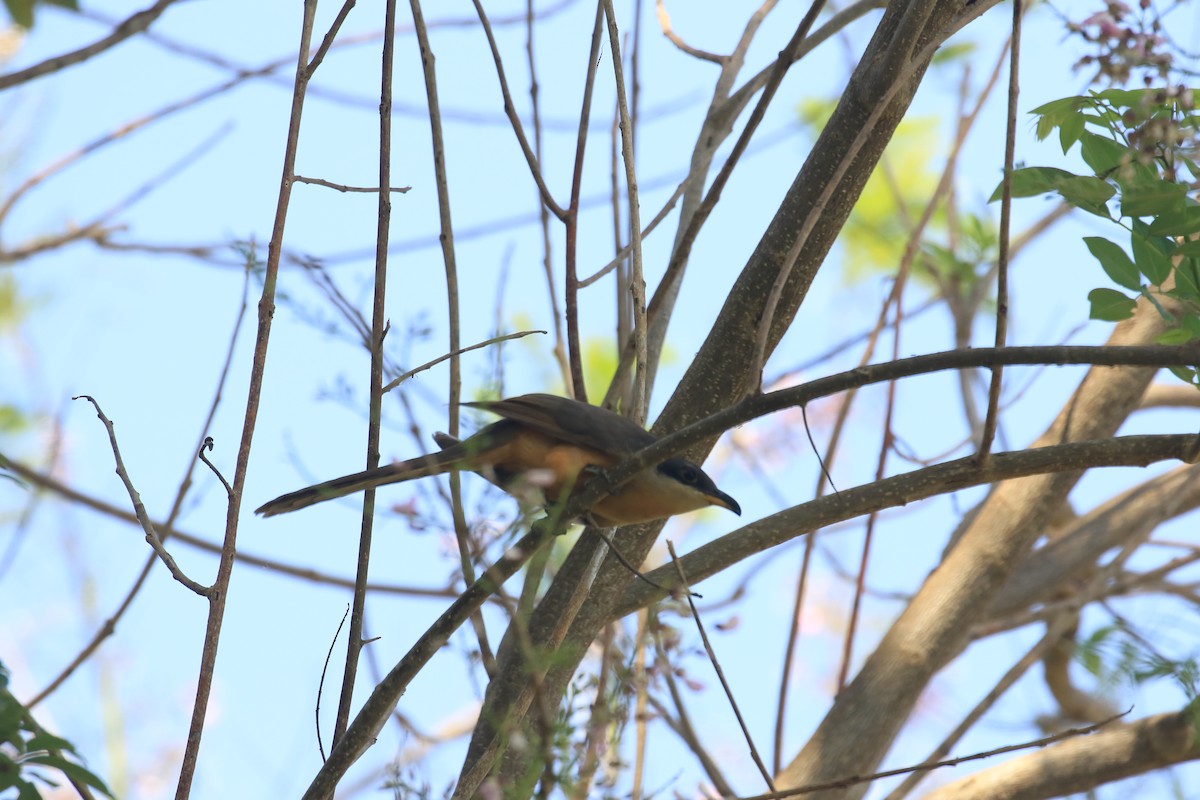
(549, 443)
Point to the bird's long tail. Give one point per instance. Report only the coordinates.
(452, 457)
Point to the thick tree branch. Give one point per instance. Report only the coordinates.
(935, 626)
(1082, 764)
(901, 490)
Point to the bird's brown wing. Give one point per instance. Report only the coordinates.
(573, 422)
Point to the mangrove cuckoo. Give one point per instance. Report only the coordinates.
(549, 443)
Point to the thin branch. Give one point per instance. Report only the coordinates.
(379, 323)
(664, 22)
(485, 343)
(1010, 140)
(341, 187)
(624, 252)
(712, 657)
(131, 26)
(266, 310)
(899, 490)
(853, 780)
(329, 38)
(378, 707)
(637, 282)
(165, 530)
(510, 110)
(208, 445)
(321, 683)
(152, 537)
(543, 213)
(446, 236)
(576, 387)
(1053, 633)
(789, 651)
(641, 688)
(682, 725)
(760, 405)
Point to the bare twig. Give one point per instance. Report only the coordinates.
(266, 310)
(1053, 632)
(152, 537)
(1010, 144)
(131, 26)
(543, 213)
(624, 252)
(446, 235)
(46, 482)
(344, 188)
(392, 384)
(683, 724)
(164, 529)
(664, 22)
(379, 323)
(642, 692)
(535, 169)
(577, 389)
(208, 445)
(321, 683)
(712, 656)
(637, 283)
(377, 708)
(853, 780)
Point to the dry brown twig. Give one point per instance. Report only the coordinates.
(379, 324)
(712, 657)
(131, 26)
(152, 537)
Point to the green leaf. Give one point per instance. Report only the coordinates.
(1175, 336)
(1150, 255)
(1032, 181)
(1192, 166)
(48, 741)
(1152, 198)
(1056, 113)
(1110, 305)
(1070, 130)
(21, 12)
(73, 771)
(1181, 222)
(1083, 191)
(1189, 248)
(1124, 98)
(1187, 281)
(1102, 154)
(1192, 325)
(1116, 264)
(1185, 374)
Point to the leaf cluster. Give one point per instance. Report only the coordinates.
(1140, 147)
(25, 746)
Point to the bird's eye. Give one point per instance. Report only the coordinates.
(688, 475)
